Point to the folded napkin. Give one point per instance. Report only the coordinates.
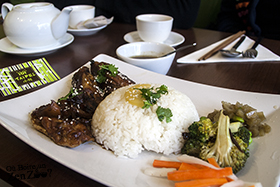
(264, 54)
(94, 22)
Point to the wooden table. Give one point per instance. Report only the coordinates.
(256, 77)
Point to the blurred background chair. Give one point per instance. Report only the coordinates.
(207, 14)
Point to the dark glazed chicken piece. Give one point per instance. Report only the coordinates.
(69, 133)
(67, 122)
(88, 95)
(112, 82)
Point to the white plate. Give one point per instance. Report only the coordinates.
(98, 164)
(85, 32)
(174, 39)
(7, 47)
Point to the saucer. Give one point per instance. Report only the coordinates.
(7, 47)
(85, 32)
(174, 39)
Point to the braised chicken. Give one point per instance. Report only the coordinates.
(67, 122)
(112, 82)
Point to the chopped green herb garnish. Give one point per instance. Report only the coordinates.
(72, 93)
(162, 89)
(100, 78)
(102, 72)
(151, 97)
(164, 113)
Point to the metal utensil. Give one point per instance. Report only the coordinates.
(252, 52)
(232, 52)
(179, 49)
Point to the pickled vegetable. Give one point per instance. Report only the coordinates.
(249, 116)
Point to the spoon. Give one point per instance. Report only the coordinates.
(232, 52)
(179, 49)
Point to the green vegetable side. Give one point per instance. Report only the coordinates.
(226, 143)
(225, 135)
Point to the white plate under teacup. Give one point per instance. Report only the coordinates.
(7, 47)
(174, 39)
(85, 32)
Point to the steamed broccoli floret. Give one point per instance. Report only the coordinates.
(244, 134)
(206, 139)
(199, 133)
(226, 151)
(202, 129)
(192, 147)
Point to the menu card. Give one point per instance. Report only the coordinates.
(25, 76)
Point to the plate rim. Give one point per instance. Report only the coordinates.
(102, 56)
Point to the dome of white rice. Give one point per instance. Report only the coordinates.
(128, 129)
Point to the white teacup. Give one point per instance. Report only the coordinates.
(154, 27)
(80, 13)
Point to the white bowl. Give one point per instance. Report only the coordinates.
(128, 52)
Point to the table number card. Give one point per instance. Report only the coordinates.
(27, 75)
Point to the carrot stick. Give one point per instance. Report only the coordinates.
(187, 166)
(198, 166)
(199, 174)
(166, 164)
(202, 182)
(213, 161)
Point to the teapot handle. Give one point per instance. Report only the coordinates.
(6, 7)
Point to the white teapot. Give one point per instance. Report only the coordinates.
(34, 25)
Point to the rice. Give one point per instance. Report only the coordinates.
(128, 129)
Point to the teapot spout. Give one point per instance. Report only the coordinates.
(59, 25)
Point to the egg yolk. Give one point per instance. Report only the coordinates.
(134, 97)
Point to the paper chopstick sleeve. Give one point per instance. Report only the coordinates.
(222, 45)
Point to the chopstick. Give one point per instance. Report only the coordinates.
(222, 45)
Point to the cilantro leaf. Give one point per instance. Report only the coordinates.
(72, 93)
(147, 104)
(151, 95)
(113, 70)
(101, 77)
(164, 113)
(162, 89)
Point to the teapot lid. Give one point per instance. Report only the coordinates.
(33, 6)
